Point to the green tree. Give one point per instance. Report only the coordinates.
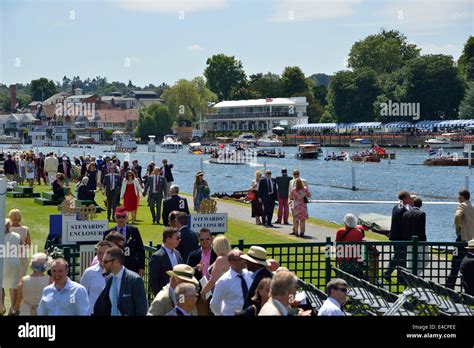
(154, 119)
(187, 100)
(266, 85)
(320, 93)
(23, 100)
(466, 108)
(432, 81)
(41, 89)
(466, 60)
(293, 81)
(384, 52)
(351, 96)
(223, 73)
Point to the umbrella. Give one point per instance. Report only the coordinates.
(278, 128)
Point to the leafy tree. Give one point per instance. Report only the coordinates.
(384, 52)
(23, 100)
(223, 73)
(294, 82)
(266, 85)
(187, 100)
(320, 93)
(432, 81)
(351, 96)
(466, 108)
(466, 60)
(41, 89)
(154, 119)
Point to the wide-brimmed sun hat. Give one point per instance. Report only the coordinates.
(257, 254)
(183, 272)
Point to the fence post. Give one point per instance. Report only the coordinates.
(414, 266)
(241, 244)
(328, 259)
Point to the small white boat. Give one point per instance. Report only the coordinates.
(446, 141)
(245, 139)
(123, 142)
(307, 151)
(171, 141)
(269, 140)
(360, 142)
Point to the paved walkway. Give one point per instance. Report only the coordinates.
(243, 213)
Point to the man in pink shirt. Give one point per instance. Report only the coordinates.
(203, 257)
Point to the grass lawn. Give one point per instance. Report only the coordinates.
(36, 217)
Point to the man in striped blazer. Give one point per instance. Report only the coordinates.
(124, 293)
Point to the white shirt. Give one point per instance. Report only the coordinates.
(330, 307)
(228, 297)
(119, 276)
(94, 282)
(172, 256)
(70, 300)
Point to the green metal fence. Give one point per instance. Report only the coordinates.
(313, 262)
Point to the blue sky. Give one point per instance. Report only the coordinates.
(165, 40)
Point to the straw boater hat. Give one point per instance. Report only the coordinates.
(256, 254)
(183, 272)
(470, 245)
(199, 174)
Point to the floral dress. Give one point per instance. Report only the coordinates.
(201, 193)
(300, 208)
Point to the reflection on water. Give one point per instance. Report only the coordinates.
(328, 180)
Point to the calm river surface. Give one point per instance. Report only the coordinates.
(376, 181)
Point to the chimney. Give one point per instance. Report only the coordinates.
(13, 97)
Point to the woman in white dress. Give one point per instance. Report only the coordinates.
(30, 170)
(31, 286)
(11, 267)
(15, 226)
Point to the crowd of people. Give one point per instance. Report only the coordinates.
(191, 273)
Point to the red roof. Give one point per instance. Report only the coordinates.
(118, 115)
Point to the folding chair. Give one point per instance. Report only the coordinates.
(360, 300)
(452, 301)
(421, 290)
(468, 301)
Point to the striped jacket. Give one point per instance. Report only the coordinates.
(132, 297)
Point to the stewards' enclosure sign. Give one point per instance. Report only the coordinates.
(82, 230)
(216, 222)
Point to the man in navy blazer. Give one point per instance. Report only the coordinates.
(124, 293)
(267, 195)
(174, 203)
(133, 248)
(164, 260)
(189, 239)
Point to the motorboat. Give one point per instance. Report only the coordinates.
(123, 142)
(365, 158)
(195, 149)
(360, 142)
(343, 156)
(446, 140)
(171, 141)
(307, 151)
(245, 139)
(273, 153)
(269, 140)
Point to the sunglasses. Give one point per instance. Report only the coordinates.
(203, 239)
(344, 290)
(120, 216)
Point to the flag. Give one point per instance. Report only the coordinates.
(379, 150)
(221, 146)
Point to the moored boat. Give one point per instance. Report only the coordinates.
(306, 151)
(171, 141)
(360, 142)
(446, 141)
(269, 140)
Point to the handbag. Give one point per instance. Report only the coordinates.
(250, 196)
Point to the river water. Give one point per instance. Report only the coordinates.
(328, 180)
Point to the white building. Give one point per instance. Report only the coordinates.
(59, 136)
(39, 136)
(257, 114)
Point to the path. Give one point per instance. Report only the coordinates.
(243, 213)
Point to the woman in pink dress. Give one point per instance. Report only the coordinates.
(130, 193)
(298, 195)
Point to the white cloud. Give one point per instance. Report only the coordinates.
(448, 49)
(195, 47)
(424, 14)
(173, 6)
(306, 10)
